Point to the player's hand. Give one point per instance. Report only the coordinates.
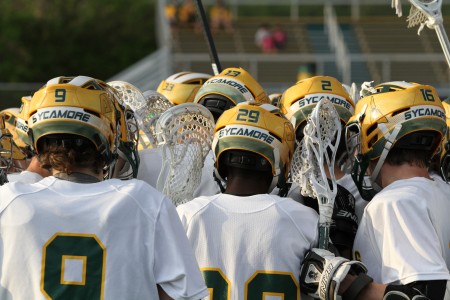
(322, 273)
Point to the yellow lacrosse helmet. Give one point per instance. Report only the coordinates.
(181, 87)
(298, 101)
(258, 128)
(20, 150)
(445, 147)
(398, 114)
(79, 106)
(227, 89)
(6, 149)
(128, 143)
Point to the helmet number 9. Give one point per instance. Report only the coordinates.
(60, 95)
(427, 95)
(246, 115)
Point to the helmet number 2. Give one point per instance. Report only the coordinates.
(245, 115)
(60, 95)
(427, 95)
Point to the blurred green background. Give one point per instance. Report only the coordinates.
(42, 39)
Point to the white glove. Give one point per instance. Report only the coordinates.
(322, 273)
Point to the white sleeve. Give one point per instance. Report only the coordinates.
(176, 268)
(405, 240)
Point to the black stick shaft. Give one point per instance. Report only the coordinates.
(215, 63)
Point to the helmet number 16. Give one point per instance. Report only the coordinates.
(427, 95)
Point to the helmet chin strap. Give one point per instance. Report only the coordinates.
(390, 139)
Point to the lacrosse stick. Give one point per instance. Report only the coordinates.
(314, 154)
(427, 12)
(215, 63)
(185, 134)
(156, 105)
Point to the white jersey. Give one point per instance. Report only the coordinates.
(404, 234)
(107, 240)
(25, 177)
(347, 182)
(151, 165)
(251, 246)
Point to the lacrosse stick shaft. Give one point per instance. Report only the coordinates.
(324, 234)
(215, 63)
(443, 39)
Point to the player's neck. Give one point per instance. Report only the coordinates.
(390, 173)
(82, 171)
(246, 187)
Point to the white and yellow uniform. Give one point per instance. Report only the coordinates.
(250, 247)
(404, 233)
(108, 240)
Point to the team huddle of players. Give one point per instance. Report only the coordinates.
(100, 200)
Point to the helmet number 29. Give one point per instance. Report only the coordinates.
(73, 267)
(245, 115)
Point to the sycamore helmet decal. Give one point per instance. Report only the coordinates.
(258, 128)
(182, 87)
(78, 106)
(227, 89)
(298, 101)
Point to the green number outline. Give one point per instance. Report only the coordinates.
(84, 238)
(214, 278)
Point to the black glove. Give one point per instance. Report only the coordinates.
(345, 222)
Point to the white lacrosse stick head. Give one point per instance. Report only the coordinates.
(322, 134)
(422, 12)
(184, 135)
(156, 105)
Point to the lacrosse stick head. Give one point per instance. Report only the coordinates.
(227, 89)
(400, 114)
(156, 105)
(184, 134)
(425, 12)
(182, 87)
(260, 129)
(321, 139)
(6, 150)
